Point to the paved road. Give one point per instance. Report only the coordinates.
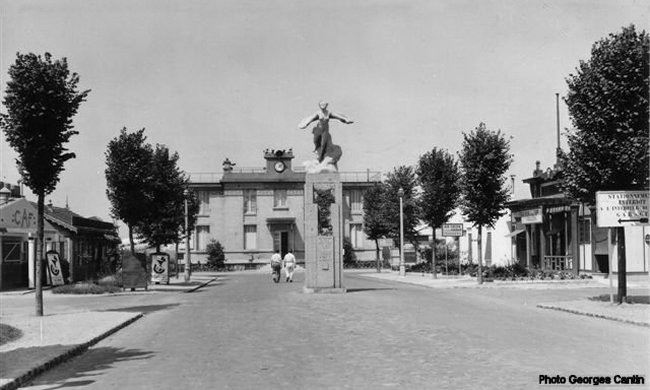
(249, 333)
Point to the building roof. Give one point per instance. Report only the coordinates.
(69, 220)
(553, 200)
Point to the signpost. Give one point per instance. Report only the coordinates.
(618, 209)
(453, 230)
(622, 208)
(160, 268)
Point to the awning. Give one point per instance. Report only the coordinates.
(515, 232)
(111, 237)
(280, 220)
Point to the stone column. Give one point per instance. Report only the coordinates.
(31, 261)
(323, 252)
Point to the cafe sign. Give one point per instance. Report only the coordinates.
(530, 216)
(622, 208)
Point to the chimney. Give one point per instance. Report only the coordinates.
(4, 195)
(537, 171)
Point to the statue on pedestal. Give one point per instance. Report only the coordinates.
(327, 153)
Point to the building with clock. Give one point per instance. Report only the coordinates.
(254, 211)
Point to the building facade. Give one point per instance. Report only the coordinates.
(551, 232)
(254, 211)
(86, 244)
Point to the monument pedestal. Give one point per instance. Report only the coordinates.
(323, 234)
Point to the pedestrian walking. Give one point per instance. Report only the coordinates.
(276, 265)
(289, 265)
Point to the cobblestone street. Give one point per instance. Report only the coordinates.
(246, 332)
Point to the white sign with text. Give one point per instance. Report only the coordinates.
(622, 208)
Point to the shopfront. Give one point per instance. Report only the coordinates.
(18, 243)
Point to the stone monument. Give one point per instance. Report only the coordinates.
(323, 233)
(323, 200)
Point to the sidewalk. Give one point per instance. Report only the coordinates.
(51, 340)
(637, 314)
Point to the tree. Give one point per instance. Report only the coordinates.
(216, 256)
(349, 257)
(608, 104)
(375, 225)
(439, 178)
(41, 98)
(128, 173)
(164, 218)
(484, 159)
(402, 177)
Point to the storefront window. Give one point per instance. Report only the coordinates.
(11, 250)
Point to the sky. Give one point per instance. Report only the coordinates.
(229, 78)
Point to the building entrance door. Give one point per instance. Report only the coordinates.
(281, 241)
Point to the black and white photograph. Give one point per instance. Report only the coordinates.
(304, 194)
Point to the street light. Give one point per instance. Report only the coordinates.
(402, 270)
(188, 263)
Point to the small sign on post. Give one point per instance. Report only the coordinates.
(452, 230)
(54, 268)
(160, 268)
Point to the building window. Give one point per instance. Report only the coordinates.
(204, 202)
(250, 202)
(356, 235)
(201, 237)
(250, 237)
(356, 201)
(280, 198)
(11, 250)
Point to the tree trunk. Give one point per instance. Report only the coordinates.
(131, 240)
(479, 275)
(378, 257)
(433, 252)
(38, 283)
(622, 271)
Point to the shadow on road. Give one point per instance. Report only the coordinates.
(76, 373)
(144, 309)
(354, 290)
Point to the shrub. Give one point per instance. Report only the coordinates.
(349, 257)
(8, 334)
(216, 256)
(111, 280)
(85, 288)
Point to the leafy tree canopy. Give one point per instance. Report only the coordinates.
(41, 98)
(375, 224)
(484, 159)
(128, 172)
(402, 177)
(439, 178)
(608, 104)
(165, 210)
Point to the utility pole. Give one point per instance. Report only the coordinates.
(188, 263)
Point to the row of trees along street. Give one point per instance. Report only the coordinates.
(437, 186)
(147, 190)
(608, 104)
(145, 186)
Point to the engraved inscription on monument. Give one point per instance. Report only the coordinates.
(325, 251)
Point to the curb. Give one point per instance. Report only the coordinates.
(198, 287)
(582, 313)
(77, 350)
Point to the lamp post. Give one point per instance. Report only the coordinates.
(188, 263)
(402, 269)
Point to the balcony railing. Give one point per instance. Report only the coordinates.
(558, 263)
